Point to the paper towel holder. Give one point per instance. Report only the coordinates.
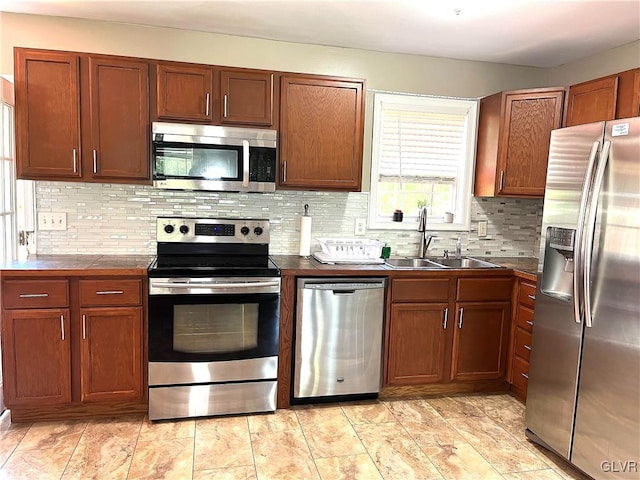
(305, 233)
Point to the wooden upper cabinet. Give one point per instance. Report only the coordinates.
(119, 113)
(36, 357)
(606, 98)
(514, 131)
(247, 97)
(321, 133)
(592, 101)
(110, 363)
(47, 94)
(184, 92)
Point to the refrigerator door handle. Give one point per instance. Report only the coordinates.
(591, 228)
(578, 241)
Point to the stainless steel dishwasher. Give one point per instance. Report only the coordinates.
(338, 337)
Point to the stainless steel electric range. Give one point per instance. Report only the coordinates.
(214, 307)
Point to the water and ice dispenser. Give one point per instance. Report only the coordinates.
(557, 272)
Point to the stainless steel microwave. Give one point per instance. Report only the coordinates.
(208, 157)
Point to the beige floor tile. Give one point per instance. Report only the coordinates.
(329, 433)
(367, 412)
(394, 452)
(352, 467)
(496, 445)
(283, 455)
(424, 423)
(283, 419)
(43, 464)
(9, 440)
(166, 430)
(233, 473)
(47, 435)
(489, 403)
(100, 455)
(126, 429)
(166, 459)
(547, 474)
(460, 461)
(221, 443)
(561, 467)
(5, 423)
(452, 407)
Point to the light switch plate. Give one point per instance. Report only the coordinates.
(482, 229)
(52, 221)
(361, 226)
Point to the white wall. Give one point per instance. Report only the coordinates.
(615, 60)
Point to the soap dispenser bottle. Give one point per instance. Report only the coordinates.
(458, 248)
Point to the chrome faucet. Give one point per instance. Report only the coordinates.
(425, 240)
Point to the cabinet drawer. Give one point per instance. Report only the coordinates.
(523, 344)
(110, 292)
(484, 289)
(525, 318)
(520, 374)
(420, 290)
(527, 294)
(35, 293)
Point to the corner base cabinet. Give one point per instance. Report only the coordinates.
(72, 343)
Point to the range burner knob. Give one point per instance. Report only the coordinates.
(258, 230)
(244, 231)
(168, 228)
(184, 229)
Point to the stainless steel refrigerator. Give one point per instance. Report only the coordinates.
(583, 399)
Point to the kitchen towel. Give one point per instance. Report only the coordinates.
(305, 233)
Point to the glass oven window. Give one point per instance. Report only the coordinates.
(222, 328)
(208, 162)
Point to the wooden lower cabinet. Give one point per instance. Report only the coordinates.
(36, 357)
(84, 359)
(417, 343)
(430, 342)
(480, 340)
(522, 321)
(110, 355)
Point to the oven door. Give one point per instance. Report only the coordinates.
(210, 330)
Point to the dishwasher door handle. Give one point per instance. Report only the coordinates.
(344, 292)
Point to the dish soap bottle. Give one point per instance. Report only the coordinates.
(458, 248)
(386, 251)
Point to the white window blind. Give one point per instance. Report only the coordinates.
(422, 155)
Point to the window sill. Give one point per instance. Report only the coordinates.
(412, 224)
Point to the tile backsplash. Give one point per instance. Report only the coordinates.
(121, 219)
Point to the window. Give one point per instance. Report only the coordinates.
(8, 239)
(423, 150)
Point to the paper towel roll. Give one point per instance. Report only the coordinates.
(305, 236)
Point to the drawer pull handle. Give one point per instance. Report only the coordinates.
(62, 326)
(529, 322)
(460, 318)
(84, 327)
(532, 297)
(206, 105)
(528, 347)
(110, 292)
(33, 295)
(525, 375)
(226, 102)
(446, 317)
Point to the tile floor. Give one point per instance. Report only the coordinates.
(459, 437)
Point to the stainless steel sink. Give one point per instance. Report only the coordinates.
(413, 263)
(464, 262)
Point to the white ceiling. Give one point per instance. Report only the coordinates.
(520, 32)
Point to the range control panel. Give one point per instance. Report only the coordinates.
(212, 230)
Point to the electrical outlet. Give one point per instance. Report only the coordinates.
(482, 229)
(361, 226)
(52, 221)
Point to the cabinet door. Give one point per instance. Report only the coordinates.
(119, 110)
(36, 357)
(47, 115)
(247, 97)
(111, 354)
(524, 141)
(184, 92)
(417, 343)
(592, 101)
(321, 133)
(480, 341)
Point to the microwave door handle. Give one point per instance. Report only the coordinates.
(245, 163)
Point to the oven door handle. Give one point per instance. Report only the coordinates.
(214, 285)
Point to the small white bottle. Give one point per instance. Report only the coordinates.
(458, 248)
